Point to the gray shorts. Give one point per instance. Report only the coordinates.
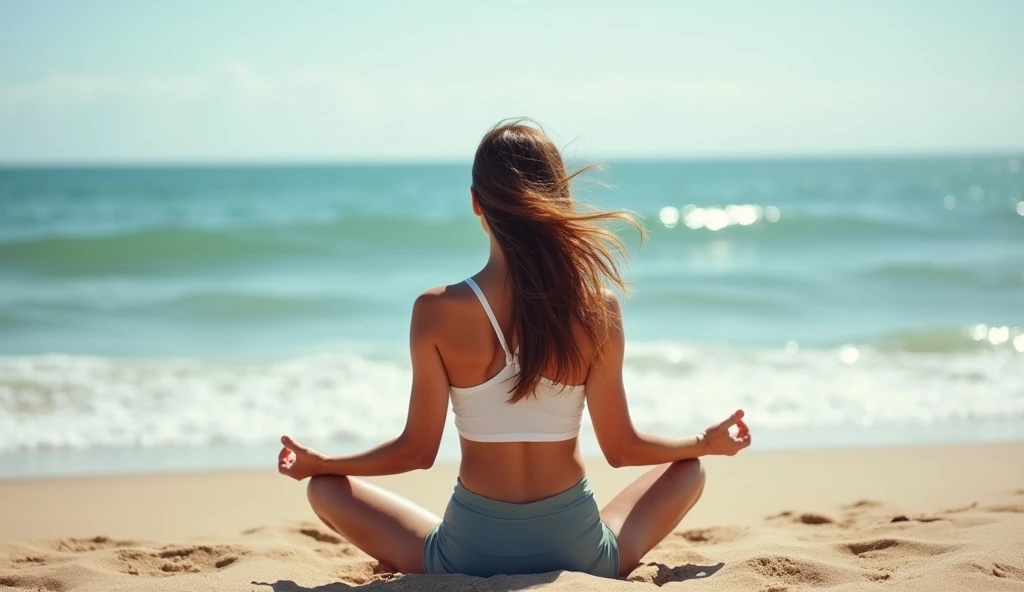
(481, 536)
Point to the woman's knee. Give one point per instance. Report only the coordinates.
(690, 472)
(327, 487)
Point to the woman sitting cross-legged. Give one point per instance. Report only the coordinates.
(520, 349)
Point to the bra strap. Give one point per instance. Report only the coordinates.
(490, 315)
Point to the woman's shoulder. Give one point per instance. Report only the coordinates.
(611, 301)
(445, 296)
(442, 304)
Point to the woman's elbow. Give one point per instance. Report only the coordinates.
(417, 450)
(424, 462)
(422, 457)
(617, 455)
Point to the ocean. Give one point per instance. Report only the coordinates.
(184, 318)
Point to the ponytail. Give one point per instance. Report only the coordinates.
(559, 257)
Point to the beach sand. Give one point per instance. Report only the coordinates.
(924, 518)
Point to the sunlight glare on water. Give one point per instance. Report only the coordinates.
(849, 354)
(669, 216)
(715, 218)
(998, 335)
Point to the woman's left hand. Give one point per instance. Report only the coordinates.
(297, 461)
(719, 440)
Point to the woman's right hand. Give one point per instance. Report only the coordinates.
(717, 439)
(298, 461)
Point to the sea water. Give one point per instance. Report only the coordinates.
(182, 318)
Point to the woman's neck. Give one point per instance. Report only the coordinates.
(496, 267)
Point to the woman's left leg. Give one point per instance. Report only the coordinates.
(386, 526)
(650, 508)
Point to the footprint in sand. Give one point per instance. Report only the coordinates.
(1005, 508)
(791, 571)
(873, 549)
(862, 505)
(80, 545)
(966, 508)
(783, 571)
(919, 518)
(805, 518)
(177, 559)
(321, 536)
(339, 548)
(712, 536)
(998, 570)
(814, 519)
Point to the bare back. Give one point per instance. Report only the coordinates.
(516, 472)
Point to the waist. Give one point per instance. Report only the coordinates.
(519, 472)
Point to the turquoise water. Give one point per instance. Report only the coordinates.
(180, 307)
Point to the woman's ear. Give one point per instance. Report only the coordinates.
(476, 202)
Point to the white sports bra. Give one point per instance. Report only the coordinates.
(483, 414)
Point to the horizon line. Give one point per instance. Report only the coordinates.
(444, 161)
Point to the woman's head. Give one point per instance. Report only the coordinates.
(517, 166)
(559, 257)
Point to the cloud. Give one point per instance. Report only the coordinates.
(249, 88)
(183, 88)
(236, 110)
(59, 90)
(241, 84)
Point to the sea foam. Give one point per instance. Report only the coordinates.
(82, 402)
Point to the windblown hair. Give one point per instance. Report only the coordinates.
(560, 256)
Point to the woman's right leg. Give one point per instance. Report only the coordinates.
(651, 507)
(385, 525)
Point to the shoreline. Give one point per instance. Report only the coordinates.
(167, 460)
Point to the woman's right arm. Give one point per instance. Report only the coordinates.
(620, 442)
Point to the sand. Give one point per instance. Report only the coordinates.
(925, 518)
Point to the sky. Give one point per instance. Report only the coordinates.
(109, 81)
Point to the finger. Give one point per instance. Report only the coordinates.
(292, 444)
(732, 420)
(283, 455)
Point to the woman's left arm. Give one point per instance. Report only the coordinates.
(416, 447)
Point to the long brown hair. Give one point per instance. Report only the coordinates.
(558, 253)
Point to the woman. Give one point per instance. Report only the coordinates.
(518, 349)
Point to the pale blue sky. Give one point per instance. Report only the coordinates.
(128, 81)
